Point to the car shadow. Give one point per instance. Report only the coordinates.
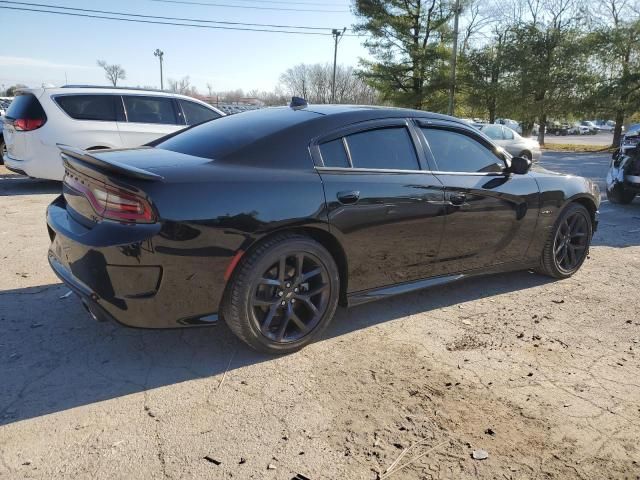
(54, 357)
(12, 184)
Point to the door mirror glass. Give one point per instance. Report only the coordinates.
(520, 165)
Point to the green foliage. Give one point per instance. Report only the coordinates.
(410, 44)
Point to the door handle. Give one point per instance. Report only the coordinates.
(349, 197)
(457, 199)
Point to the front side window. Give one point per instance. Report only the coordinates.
(89, 107)
(457, 152)
(508, 134)
(143, 109)
(388, 148)
(494, 132)
(195, 113)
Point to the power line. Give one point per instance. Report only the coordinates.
(251, 7)
(106, 12)
(287, 2)
(153, 22)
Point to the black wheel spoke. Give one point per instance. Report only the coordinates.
(269, 281)
(298, 323)
(266, 323)
(310, 274)
(284, 324)
(558, 249)
(262, 302)
(316, 290)
(282, 267)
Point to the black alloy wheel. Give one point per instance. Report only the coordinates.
(282, 294)
(571, 242)
(290, 297)
(568, 245)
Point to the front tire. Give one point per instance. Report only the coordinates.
(618, 194)
(282, 295)
(568, 243)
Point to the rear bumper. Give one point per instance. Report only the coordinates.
(40, 167)
(117, 273)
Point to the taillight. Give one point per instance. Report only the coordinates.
(28, 124)
(111, 202)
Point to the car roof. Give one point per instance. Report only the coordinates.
(67, 89)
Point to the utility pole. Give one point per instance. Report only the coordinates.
(337, 34)
(160, 54)
(454, 59)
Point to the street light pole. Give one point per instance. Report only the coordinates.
(160, 54)
(336, 37)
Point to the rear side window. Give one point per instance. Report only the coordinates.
(89, 107)
(143, 109)
(390, 148)
(334, 154)
(26, 106)
(457, 152)
(195, 113)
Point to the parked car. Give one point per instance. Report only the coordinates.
(557, 129)
(623, 177)
(590, 125)
(507, 122)
(269, 219)
(513, 143)
(577, 129)
(604, 126)
(91, 118)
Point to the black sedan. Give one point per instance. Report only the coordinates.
(270, 219)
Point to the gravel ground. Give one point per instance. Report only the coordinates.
(542, 375)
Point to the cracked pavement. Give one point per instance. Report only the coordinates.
(544, 375)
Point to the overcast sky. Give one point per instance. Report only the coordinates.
(41, 48)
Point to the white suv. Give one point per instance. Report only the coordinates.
(90, 118)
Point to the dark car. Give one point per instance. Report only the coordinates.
(271, 218)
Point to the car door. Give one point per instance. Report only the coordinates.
(382, 203)
(148, 118)
(490, 214)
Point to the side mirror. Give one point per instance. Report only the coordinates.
(520, 165)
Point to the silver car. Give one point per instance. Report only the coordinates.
(512, 142)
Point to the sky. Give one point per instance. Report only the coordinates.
(39, 48)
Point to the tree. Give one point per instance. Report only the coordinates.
(11, 91)
(113, 73)
(616, 41)
(409, 41)
(313, 83)
(182, 86)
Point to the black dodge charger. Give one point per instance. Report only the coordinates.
(270, 218)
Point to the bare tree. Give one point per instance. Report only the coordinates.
(313, 83)
(113, 73)
(182, 86)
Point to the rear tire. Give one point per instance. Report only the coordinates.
(3, 150)
(527, 155)
(568, 244)
(618, 194)
(282, 295)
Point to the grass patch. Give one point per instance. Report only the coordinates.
(571, 147)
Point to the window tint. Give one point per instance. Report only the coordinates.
(195, 113)
(334, 154)
(142, 109)
(26, 106)
(456, 152)
(508, 134)
(494, 132)
(383, 148)
(89, 107)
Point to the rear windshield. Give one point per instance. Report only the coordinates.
(215, 140)
(25, 106)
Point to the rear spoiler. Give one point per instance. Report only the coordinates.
(73, 154)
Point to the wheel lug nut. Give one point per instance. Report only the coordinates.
(280, 294)
(283, 303)
(296, 290)
(288, 285)
(293, 300)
